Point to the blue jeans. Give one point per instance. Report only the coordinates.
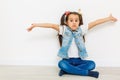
(76, 66)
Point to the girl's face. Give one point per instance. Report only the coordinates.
(73, 21)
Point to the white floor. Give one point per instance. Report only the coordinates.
(51, 73)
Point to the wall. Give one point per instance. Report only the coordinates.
(40, 46)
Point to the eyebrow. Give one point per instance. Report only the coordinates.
(75, 18)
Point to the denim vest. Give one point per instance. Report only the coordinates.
(67, 40)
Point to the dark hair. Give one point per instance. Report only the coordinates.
(64, 19)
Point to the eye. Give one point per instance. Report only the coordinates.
(76, 20)
(71, 20)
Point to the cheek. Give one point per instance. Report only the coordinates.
(78, 23)
(69, 24)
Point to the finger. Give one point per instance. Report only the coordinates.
(28, 29)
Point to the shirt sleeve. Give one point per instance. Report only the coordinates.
(84, 29)
(61, 30)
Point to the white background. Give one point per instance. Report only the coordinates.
(40, 46)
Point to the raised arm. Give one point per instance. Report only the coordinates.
(44, 25)
(102, 20)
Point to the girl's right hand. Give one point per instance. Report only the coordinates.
(30, 28)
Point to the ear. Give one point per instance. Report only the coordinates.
(65, 23)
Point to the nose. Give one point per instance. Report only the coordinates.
(74, 22)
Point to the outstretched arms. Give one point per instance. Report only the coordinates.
(100, 21)
(44, 25)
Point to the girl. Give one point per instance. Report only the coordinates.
(73, 51)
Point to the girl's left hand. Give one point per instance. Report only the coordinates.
(112, 18)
